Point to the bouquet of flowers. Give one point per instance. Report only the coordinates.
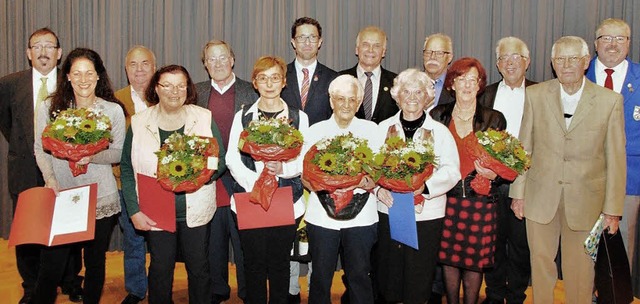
(404, 166)
(76, 133)
(269, 140)
(501, 152)
(186, 162)
(337, 163)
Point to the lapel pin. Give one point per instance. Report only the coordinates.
(630, 87)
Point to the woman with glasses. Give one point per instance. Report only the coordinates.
(83, 83)
(469, 232)
(173, 96)
(266, 250)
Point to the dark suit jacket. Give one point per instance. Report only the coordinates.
(245, 94)
(16, 124)
(317, 107)
(483, 119)
(385, 105)
(445, 97)
(488, 97)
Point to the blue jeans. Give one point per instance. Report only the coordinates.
(135, 273)
(356, 245)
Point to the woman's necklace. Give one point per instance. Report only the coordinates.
(464, 115)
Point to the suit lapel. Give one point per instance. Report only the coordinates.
(384, 83)
(554, 103)
(313, 81)
(293, 84)
(586, 103)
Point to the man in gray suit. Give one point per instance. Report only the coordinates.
(574, 131)
(224, 94)
(20, 94)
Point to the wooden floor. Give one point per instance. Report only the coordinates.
(11, 291)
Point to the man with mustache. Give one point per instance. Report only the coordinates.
(612, 69)
(21, 94)
(437, 55)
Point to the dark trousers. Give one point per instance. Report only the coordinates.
(163, 247)
(266, 257)
(223, 229)
(356, 245)
(53, 262)
(28, 264)
(509, 278)
(405, 274)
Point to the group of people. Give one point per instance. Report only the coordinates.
(582, 133)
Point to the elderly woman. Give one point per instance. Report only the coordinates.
(469, 234)
(266, 250)
(326, 234)
(83, 83)
(405, 274)
(173, 95)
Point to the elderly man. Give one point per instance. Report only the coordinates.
(574, 131)
(612, 69)
(326, 234)
(377, 104)
(224, 94)
(509, 277)
(140, 64)
(437, 54)
(21, 94)
(307, 79)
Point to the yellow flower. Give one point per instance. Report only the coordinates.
(178, 168)
(412, 159)
(70, 132)
(395, 142)
(354, 167)
(520, 153)
(363, 153)
(327, 162)
(264, 129)
(494, 134)
(88, 125)
(498, 146)
(378, 159)
(392, 161)
(197, 164)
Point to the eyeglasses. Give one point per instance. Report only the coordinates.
(171, 88)
(437, 54)
(617, 39)
(88, 75)
(341, 99)
(275, 78)
(221, 60)
(513, 57)
(468, 80)
(573, 60)
(311, 38)
(48, 47)
(145, 65)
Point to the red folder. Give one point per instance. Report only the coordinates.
(251, 216)
(33, 218)
(157, 203)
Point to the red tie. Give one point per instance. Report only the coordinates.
(304, 91)
(608, 82)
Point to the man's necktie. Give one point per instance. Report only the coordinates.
(608, 82)
(367, 103)
(42, 95)
(304, 92)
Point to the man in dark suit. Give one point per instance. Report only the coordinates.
(224, 94)
(437, 54)
(612, 45)
(20, 94)
(371, 46)
(509, 278)
(574, 132)
(307, 78)
(140, 65)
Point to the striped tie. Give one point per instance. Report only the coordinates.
(304, 91)
(367, 103)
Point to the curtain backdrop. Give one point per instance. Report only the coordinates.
(177, 30)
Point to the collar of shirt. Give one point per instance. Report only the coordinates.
(223, 89)
(363, 78)
(51, 85)
(300, 75)
(618, 76)
(138, 103)
(503, 85)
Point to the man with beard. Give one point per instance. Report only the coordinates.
(21, 94)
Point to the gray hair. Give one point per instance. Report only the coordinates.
(141, 48)
(512, 41)
(570, 40)
(410, 76)
(446, 38)
(347, 80)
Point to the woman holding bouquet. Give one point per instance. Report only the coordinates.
(83, 84)
(469, 233)
(266, 250)
(173, 95)
(405, 274)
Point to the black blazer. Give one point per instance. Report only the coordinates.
(483, 119)
(16, 124)
(385, 105)
(245, 94)
(317, 107)
(488, 97)
(446, 97)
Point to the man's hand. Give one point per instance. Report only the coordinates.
(517, 205)
(612, 222)
(142, 222)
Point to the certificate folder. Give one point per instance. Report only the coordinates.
(252, 216)
(157, 203)
(41, 217)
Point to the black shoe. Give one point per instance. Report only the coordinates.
(75, 294)
(217, 299)
(294, 299)
(492, 301)
(435, 298)
(131, 299)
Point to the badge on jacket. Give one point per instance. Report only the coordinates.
(636, 113)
